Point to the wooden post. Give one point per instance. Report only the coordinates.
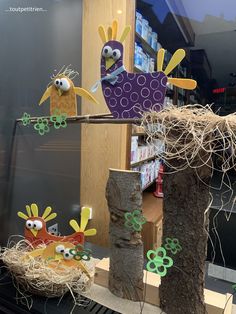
(124, 194)
(185, 200)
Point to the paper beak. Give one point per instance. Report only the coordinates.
(58, 257)
(109, 63)
(59, 92)
(35, 232)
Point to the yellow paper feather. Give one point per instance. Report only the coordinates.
(109, 33)
(177, 57)
(35, 210)
(50, 217)
(28, 210)
(22, 215)
(160, 59)
(47, 212)
(84, 218)
(125, 33)
(102, 33)
(90, 232)
(75, 226)
(183, 83)
(114, 29)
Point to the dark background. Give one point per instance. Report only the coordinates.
(33, 168)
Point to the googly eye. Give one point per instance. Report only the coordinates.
(57, 83)
(67, 255)
(116, 54)
(64, 84)
(38, 225)
(107, 52)
(60, 249)
(29, 224)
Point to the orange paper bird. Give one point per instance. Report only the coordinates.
(36, 232)
(62, 93)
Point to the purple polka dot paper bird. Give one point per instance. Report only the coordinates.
(128, 95)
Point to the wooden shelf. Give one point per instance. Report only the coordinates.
(149, 184)
(135, 164)
(137, 70)
(139, 134)
(146, 47)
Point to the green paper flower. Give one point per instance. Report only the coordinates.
(79, 253)
(42, 126)
(173, 245)
(134, 220)
(59, 119)
(159, 262)
(25, 119)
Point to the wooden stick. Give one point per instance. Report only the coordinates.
(94, 119)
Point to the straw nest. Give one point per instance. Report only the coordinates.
(192, 131)
(34, 275)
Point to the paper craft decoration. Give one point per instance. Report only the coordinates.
(62, 93)
(59, 120)
(42, 126)
(59, 254)
(159, 261)
(128, 95)
(26, 119)
(134, 220)
(172, 245)
(36, 232)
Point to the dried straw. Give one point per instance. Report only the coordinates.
(192, 131)
(33, 275)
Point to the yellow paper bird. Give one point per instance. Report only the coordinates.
(62, 93)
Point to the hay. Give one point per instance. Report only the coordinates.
(192, 131)
(33, 275)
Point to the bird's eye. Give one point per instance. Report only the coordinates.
(29, 224)
(38, 225)
(57, 82)
(64, 84)
(116, 54)
(67, 255)
(107, 52)
(60, 249)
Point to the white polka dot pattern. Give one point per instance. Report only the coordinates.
(135, 93)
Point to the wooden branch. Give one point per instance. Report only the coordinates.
(124, 194)
(105, 118)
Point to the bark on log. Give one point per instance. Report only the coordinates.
(185, 200)
(124, 194)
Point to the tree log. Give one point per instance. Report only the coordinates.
(124, 194)
(185, 200)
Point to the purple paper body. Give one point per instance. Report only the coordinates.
(133, 93)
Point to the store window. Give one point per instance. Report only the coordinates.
(79, 79)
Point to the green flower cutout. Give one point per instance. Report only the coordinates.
(79, 253)
(234, 287)
(173, 245)
(42, 126)
(59, 119)
(134, 220)
(25, 119)
(158, 261)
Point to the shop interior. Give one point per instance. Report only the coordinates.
(68, 166)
